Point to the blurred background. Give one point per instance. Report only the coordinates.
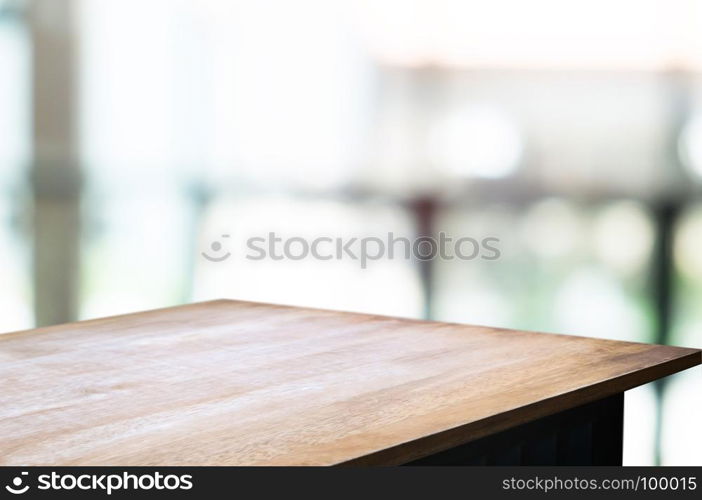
(134, 132)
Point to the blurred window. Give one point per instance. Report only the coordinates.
(15, 292)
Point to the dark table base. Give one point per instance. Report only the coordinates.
(591, 434)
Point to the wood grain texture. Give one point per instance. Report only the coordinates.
(229, 382)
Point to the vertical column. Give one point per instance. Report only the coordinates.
(424, 211)
(55, 175)
(676, 87)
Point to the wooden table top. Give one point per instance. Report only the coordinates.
(229, 382)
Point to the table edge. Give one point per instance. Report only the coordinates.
(446, 439)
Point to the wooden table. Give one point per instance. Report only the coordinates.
(231, 383)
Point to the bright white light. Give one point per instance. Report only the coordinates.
(623, 236)
(552, 228)
(480, 305)
(594, 303)
(642, 34)
(639, 426)
(476, 142)
(271, 92)
(682, 405)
